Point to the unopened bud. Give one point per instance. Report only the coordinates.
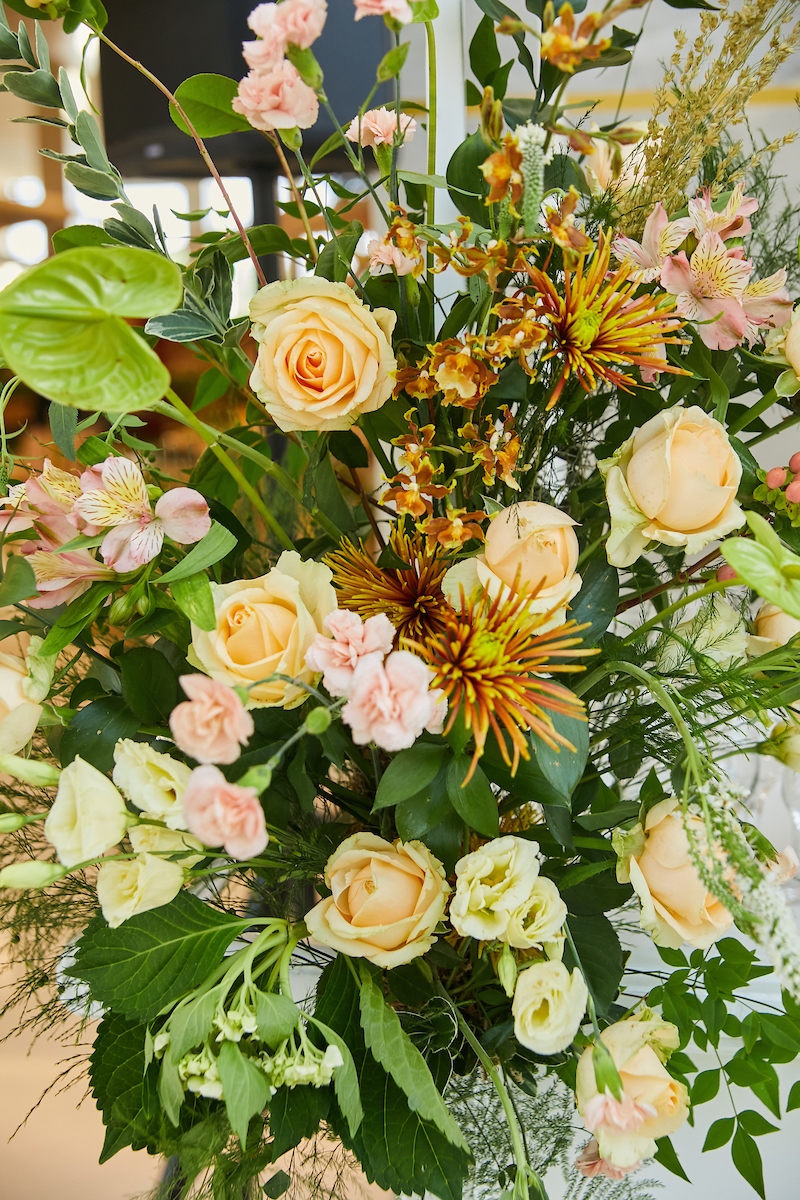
(291, 138)
(510, 26)
(28, 770)
(10, 822)
(259, 778)
(581, 142)
(32, 874)
(792, 492)
(122, 609)
(725, 574)
(507, 970)
(794, 462)
(306, 66)
(492, 120)
(146, 603)
(318, 720)
(626, 135)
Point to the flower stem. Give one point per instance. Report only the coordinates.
(708, 589)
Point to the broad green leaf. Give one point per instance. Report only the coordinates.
(149, 684)
(295, 1114)
(218, 542)
(409, 772)
(100, 185)
(276, 1185)
(754, 1123)
(183, 325)
(563, 768)
(247, 1091)
(766, 565)
(597, 600)
(705, 1086)
(424, 10)
(63, 423)
(94, 732)
(115, 1075)
(194, 597)
(747, 1160)
(89, 137)
(156, 957)
(190, 1024)
(206, 100)
(337, 254)
(37, 87)
(277, 1016)
(18, 582)
(666, 1156)
(467, 185)
(62, 327)
(170, 1088)
(345, 1079)
(76, 617)
(80, 235)
(393, 1049)
(474, 802)
(601, 956)
(793, 1100)
(392, 62)
(719, 1134)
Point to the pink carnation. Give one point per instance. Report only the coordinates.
(590, 1164)
(353, 639)
(378, 127)
(265, 54)
(213, 724)
(262, 19)
(223, 814)
(385, 255)
(625, 1115)
(277, 100)
(302, 21)
(391, 703)
(400, 10)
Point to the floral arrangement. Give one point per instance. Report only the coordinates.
(433, 675)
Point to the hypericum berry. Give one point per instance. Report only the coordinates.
(794, 462)
(725, 573)
(776, 478)
(793, 491)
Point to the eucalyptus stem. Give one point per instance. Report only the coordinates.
(211, 439)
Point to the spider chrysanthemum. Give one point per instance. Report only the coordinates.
(412, 599)
(492, 662)
(599, 325)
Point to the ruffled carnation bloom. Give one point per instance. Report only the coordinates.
(277, 99)
(378, 127)
(136, 534)
(626, 1114)
(391, 703)
(590, 1164)
(213, 725)
(384, 256)
(399, 10)
(352, 639)
(223, 814)
(301, 21)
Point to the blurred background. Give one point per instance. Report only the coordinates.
(55, 1153)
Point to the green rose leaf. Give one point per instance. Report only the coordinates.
(206, 100)
(63, 327)
(410, 772)
(475, 802)
(218, 542)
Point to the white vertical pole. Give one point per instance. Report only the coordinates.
(451, 107)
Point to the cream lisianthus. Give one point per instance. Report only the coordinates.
(539, 920)
(88, 816)
(153, 781)
(324, 358)
(548, 1007)
(638, 1047)
(149, 838)
(264, 627)
(675, 482)
(492, 883)
(784, 743)
(136, 885)
(676, 906)
(386, 900)
(531, 550)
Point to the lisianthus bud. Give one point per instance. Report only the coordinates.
(33, 874)
(318, 720)
(507, 970)
(10, 822)
(27, 770)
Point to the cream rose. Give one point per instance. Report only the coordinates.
(153, 781)
(638, 1047)
(324, 358)
(19, 715)
(386, 900)
(492, 883)
(88, 816)
(531, 550)
(674, 481)
(264, 627)
(548, 1006)
(136, 885)
(676, 907)
(772, 628)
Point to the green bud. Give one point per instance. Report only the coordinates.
(28, 770)
(606, 1075)
(412, 291)
(10, 822)
(383, 159)
(507, 970)
(291, 138)
(32, 874)
(122, 609)
(306, 65)
(318, 720)
(259, 778)
(146, 603)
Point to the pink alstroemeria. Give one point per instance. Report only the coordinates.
(39, 500)
(590, 1164)
(122, 505)
(766, 302)
(729, 222)
(661, 238)
(708, 290)
(61, 578)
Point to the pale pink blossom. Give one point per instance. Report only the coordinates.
(391, 703)
(385, 256)
(661, 238)
(708, 290)
(62, 577)
(624, 1115)
(590, 1164)
(277, 100)
(264, 54)
(223, 814)
(213, 724)
(400, 10)
(378, 127)
(136, 532)
(729, 222)
(302, 21)
(784, 868)
(766, 302)
(41, 497)
(262, 19)
(352, 640)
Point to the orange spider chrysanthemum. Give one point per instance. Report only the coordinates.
(412, 599)
(491, 662)
(600, 325)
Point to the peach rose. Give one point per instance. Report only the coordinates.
(277, 99)
(531, 550)
(772, 628)
(386, 900)
(391, 703)
(676, 905)
(213, 724)
(638, 1047)
(223, 814)
(324, 358)
(675, 482)
(353, 639)
(265, 627)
